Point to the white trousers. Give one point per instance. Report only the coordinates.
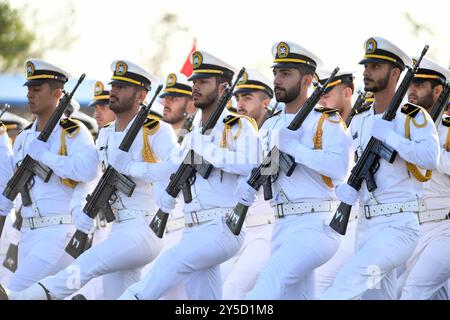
(195, 261)
(93, 290)
(9, 235)
(300, 244)
(428, 270)
(240, 273)
(382, 244)
(119, 259)
(170, 239)
(41, 254)
(326, 273)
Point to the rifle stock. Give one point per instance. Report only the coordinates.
(11, 259)
(158, 224)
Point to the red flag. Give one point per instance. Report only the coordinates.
(187, 66)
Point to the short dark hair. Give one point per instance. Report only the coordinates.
(220, 80)
(53, 84)
(393, 65)
(263, 95)
(136, 89)
(306, 69)
(348, 85)
(434, 83)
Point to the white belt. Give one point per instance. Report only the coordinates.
(391, 208)
(127, 214)
(300, 208)
(174, 224)
(198, 217)
(259, 220)
(428, 216)
(35, 223)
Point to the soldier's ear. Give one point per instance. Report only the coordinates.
(142, 94)
(437, 91)
(307, 80)
(222, 87)
(57, 93)
(190, 107)
(348, 92)
(396, 73)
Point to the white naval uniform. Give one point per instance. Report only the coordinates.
(9, 235)
(385, 242)
(428, 269)
(131, 244)
(195, 261)
(241, 272)
(41, 250)
(303, 241)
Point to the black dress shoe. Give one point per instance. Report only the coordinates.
(78, 297)
(3, 295)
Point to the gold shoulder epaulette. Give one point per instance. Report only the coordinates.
(325, 110)
(155, 115)
(369, 97)
(364, 107)
(410, 109)
(151, 122)
(233, 118)
(69, 125)
(446, 121)
(11, 126)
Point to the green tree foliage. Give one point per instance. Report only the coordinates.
(15, 39)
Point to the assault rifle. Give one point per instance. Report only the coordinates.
(22, 179)
(261, 175)
(368, 163)
(110, 182)
(192, 163)
(29, 167)
(11, 258)
(438, 108)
